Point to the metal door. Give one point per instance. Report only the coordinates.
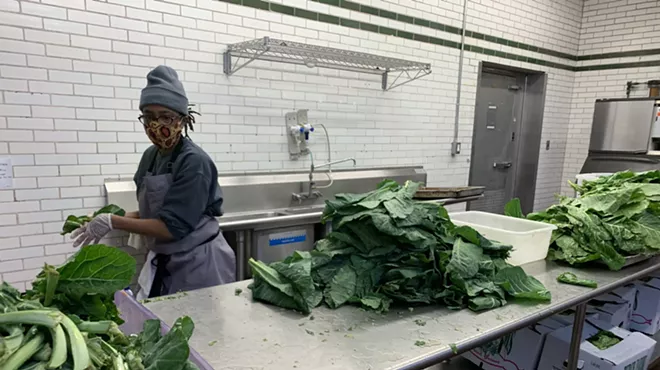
(494, 146)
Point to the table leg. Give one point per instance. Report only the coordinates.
(576, 337)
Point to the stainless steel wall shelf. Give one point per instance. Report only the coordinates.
(241, 54)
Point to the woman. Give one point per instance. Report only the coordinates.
(179, 199)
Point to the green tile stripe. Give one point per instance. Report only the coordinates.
(330, 19)
(600, 67)
(346, 4)
(620, 54)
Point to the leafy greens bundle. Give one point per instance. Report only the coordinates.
(385, 247)
(74, 222)
(69, 321)
(616, 216)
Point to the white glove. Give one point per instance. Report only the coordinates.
(93, 231)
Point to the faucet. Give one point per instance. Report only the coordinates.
(315, 193)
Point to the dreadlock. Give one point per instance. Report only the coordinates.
(189, 120)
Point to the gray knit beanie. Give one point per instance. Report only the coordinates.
(164, 88)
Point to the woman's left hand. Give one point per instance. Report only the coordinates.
(93, 231)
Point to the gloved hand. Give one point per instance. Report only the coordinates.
(93, 231)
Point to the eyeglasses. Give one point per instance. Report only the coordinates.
(166, 119)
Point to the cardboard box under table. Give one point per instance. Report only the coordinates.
(632, 352)
(520, 353)
(568, 317)
(646, 309)
(615, 307)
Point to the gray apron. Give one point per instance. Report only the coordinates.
(199, 260)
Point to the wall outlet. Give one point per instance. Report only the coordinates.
(455, 148)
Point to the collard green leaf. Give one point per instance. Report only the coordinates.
(111, 208)
(485, 303)
(571, 278)
(271, 285)
(170, 352)
(514, 209)
(342, 287)
(74, 222)
(648, 227)
(518, 284)
(608, 202)
(599, 239)
(464, 263)
(96, 269)
(150, 334)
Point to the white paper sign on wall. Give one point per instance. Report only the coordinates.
(6, 173)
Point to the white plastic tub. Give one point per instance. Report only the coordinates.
(530, 239)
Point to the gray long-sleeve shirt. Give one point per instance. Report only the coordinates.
(194, 191)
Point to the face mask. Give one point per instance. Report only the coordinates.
(163, 136)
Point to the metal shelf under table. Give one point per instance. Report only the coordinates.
(233, 332)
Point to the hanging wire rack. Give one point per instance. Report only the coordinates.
(241, 54)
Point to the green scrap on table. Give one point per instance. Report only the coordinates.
(571, 278)
(604, 340)
(238, 291)
(387, 248)
(454, 348)
(420, 343)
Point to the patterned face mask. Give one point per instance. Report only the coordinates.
(163, 136)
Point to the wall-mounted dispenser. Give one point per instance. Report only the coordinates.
(298, 130)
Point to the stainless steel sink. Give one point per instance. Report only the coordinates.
(302, 210)
(233, 217)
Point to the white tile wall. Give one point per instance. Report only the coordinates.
(71, 73)
(608, 26)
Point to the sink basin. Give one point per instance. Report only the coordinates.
(302, 210)
(233, 217)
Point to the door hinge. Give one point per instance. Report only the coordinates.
(513, 136)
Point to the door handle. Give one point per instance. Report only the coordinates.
(503, 165)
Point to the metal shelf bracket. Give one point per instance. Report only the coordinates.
(241, 54)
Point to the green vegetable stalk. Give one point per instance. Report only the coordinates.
(23, 354)
(11, 342)
(109, 328)
(49, 319)
(571, 278)
(59, 348)
(52, 277)
(44, 353)
(79, 350)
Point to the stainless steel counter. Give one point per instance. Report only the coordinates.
(233, 332)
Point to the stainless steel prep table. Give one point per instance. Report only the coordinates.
(233, 332)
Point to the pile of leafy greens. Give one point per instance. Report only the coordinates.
(388, 248)
(69, 321)
(614, 217)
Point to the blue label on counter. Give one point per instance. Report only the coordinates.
(289, 240)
